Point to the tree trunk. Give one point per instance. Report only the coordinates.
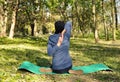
(35, 27)
(5, 23)
(3, 17)
(1, 20)
(116, 17)
(78, 17)
(32, 29)
(113, 19)
(104, 22)
(96, 29)
(11, 34)
(94, 22)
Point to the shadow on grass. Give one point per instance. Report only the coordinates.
(101, 54)
(107, 77)
(10, 58)
(97, 53)
(42, 62)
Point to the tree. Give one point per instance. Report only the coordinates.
(87, 16)
(116, 16)
(14, 13)
(3, 17)
(81, 16)
(94, 21)
(113, 19)
(104, 21)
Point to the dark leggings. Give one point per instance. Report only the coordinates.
(66, 70)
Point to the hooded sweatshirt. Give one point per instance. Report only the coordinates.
(60, 55)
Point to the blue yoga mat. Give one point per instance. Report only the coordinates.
(86, 69)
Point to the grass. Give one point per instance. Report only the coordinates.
(83, 52)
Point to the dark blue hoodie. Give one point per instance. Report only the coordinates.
(61, 58)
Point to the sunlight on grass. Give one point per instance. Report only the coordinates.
(83, 52)
(22, 47)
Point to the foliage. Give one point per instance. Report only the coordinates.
(34, 14)
(83, 52)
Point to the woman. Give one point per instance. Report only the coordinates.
(58, 48)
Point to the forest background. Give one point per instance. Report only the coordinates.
(26, 24)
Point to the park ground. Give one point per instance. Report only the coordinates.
(83, 52)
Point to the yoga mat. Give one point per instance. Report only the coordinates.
(86, 69)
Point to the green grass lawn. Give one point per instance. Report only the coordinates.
(83, 52)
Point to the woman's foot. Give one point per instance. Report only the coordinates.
(77, 72)
(45, 70)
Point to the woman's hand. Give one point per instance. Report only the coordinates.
(61, 37)
(60, 40)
